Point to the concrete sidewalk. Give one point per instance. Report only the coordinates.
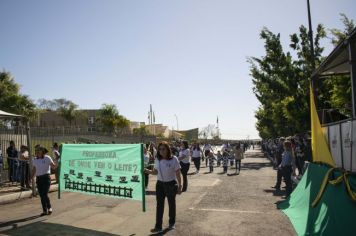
(14, 193)
(215, 204)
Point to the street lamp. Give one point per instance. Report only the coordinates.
(177, 121)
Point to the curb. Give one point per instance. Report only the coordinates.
(10, 198)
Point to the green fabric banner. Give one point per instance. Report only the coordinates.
(333, 215)
(114, 170)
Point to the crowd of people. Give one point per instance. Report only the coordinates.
(18, 166)
(289, 156)
(171, 164)
(18, 169)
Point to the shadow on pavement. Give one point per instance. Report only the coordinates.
(14, 222)
(275, 192)
(42, 228)
(150, 192)
(255, 166)
(222, 173)
(233, 174)
(165, 231)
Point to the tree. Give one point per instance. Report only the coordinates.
(12, 101)
(208, 132)
(338, 35)
(69, 112)
(281, 83)
(111, 120)
(340, 86)
(53, 105)
(142, 130)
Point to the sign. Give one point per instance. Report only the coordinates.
(113, 170)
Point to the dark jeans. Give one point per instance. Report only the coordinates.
(225, 169)
(184, 170)
(146, 180)
(287, 176)
(286, 173)
(238, 162)
(196, 161)
(279, 178)
(300, 164)
(13, 167)
(25, 175)
(211, 168)
(43, 184)
(163, 190)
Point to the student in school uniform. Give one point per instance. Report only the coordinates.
(225, 161)
(147, 157)
(42, 170)
(184, 158)
(196, 156)
(219, 159)
(207, 149)
(211, 159)
(168, 184)
(239, 155)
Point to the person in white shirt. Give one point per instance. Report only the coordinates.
(56, 158)
(196, 156)
(184, 158)
(25, 168)
(168, 184)
(207, 149)
(42, 170)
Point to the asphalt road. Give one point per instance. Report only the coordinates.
(215, 204)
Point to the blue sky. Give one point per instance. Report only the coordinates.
(185, 57)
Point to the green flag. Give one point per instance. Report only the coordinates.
(113, 170)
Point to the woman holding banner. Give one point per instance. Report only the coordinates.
(168, 184)
(42, 169)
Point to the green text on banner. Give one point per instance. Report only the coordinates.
(114, 170)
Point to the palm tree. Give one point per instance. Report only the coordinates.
(111, 120)
(69, 112)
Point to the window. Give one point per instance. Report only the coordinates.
(91, 120)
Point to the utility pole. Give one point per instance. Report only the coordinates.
(310, 34)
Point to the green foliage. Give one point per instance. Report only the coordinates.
(281, 82)
(53, 105)
(69, 112)
(111, 120)
(141, 131)
(339, 35)
(12, 101)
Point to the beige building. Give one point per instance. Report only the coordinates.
(158, 130)
(86, 118)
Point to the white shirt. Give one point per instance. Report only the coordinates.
(166, 169)
(186, 153)
(43, 166)
(207, 147)
(24, 155)
(55, 154)
(146, 158)
(195, 153)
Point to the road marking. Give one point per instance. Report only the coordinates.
(227, 210)
(216, 182)
(196, 202)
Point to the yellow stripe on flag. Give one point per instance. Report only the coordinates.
(320, 149)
